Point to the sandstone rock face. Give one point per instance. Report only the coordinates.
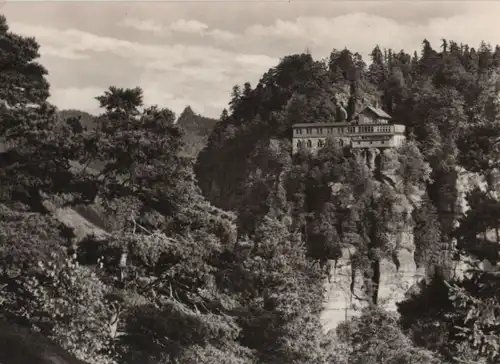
(344, 289)
(340, 300)
(396, 280)
(466, 182)
(345, 295)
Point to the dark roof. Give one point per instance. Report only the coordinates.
(379, 112)
(317, 125)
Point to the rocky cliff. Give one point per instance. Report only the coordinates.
(466, 182)
(344, 296)
(344, 292)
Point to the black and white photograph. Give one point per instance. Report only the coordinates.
(249, 182)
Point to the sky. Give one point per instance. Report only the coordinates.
(192, 53)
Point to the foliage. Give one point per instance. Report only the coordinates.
(139, 149)
(375, 337)
(86, 120)
(21, 346)
(429, 248)
(478, 233)
(475, 308)
(47, 290)
(282, 292)
(424, 316)
(35, 158)
(69, 306)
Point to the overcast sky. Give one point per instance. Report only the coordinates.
(192, 53)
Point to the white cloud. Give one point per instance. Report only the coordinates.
(77, 98)
(222, 35)
(171, 75)
(146, 25)
(66, 53)
(188, 26)
(81, 43)
(202, 68)
(179, 26)
(361, 31)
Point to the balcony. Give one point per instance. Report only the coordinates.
(345, 129)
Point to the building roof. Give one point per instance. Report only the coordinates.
(379, 112)
(316, 125)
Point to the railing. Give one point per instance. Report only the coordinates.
(326, 131)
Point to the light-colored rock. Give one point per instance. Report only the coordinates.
(340, 302)
(82, 227)
(345, 291)
(466, 182)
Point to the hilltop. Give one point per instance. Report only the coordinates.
(197, 129)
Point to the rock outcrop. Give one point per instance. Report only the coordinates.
(466, 182)
(344, 288)
(344, 296)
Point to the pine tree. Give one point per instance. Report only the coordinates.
(37, 149)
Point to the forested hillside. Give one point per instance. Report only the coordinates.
(448, 99)
(228, 265)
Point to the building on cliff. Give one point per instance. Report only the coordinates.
(370, 128)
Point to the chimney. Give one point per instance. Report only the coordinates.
(375, 104)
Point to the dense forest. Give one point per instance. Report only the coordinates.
(129, 237)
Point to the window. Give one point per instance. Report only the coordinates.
(298, 131)
(320, 143)
(341, 142)
(319, 130)
(299, 143)
(351, 129)
(309, 130)
(309, 144)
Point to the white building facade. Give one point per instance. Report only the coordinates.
(371, 128)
